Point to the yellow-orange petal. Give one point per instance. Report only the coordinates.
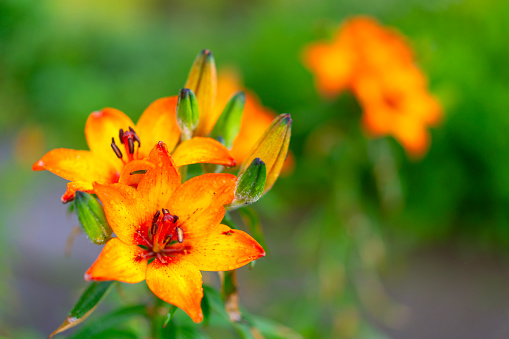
(124, 209)
(103, 125)
(128, 175)
(202, 150)
(158, 184)
(74, 186)
(179, 283)
(199, 202)
(118, 261)
(76, 166)
(158, 123)
(223, 249)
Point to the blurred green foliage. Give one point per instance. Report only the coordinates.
(61, 60)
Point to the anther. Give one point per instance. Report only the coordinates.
(165, 211)
(153, 229)
(116, 149)
(135, 136)
(131, 145)
(175, 218)
(156, 216)
(121, 136)
(167, 239)
(180, 234)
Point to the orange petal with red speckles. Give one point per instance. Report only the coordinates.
(76, 166)
(74, 186)
(119, 261)
(103, 125)
(158, 184)
(202, 150)
(158, 123)
(179, 283)
(223, 249)
(125, 210)
(199, 202)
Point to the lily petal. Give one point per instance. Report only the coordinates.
(74, 186)
(179, 283)
(159, 183)
(202, 150)
(158, 123)
(76, 166)
(128, 175)
(103, 125)
(119, 261)
(199, 202)
(223, 249)
(124, 210)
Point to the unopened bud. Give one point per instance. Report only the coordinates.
(202, 80)
(228, 125)
(250, 184)
(272, 149)
(187, 112)
(91, 218)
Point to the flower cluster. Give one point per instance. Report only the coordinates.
(167, 222)
(377, 65)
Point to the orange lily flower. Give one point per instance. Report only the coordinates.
(255, 118)
(167, 232)
(377, 64)
(107, 130)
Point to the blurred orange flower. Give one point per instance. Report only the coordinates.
(378, 66)
(167, 232)
(107, 130)
(255, 118)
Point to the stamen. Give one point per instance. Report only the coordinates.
(116, 149)
(131, 145)
(180, 234)
(153, 229)
(121, 136)
(156, 217)
(175, 218)
(165, 211)
(167, 239)
(135, 136)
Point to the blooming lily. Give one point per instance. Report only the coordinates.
(378, 66)
(116, 143)
(167, 232)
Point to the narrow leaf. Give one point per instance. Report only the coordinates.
(85, 305)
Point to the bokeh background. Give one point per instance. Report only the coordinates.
(426, 260)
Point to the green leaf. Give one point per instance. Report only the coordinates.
(170, 314)
(85, 305)
(109, 321)
(251, 219)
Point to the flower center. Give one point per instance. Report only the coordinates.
(163, 238)
(127, 139)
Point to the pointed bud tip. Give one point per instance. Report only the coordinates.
(206, 52)
(184, 93)
(258, 161)
(287, 118)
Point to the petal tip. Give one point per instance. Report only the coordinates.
(39, 165)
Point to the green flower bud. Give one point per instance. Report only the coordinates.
(91, 218)
(187, 113)
(250, 184)
(228, 125)
(272, 148)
